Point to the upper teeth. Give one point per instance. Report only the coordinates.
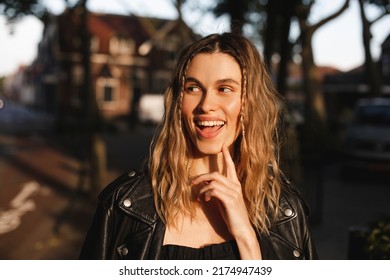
(210, 123)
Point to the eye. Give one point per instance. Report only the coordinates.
(193, 89)
(225, 89)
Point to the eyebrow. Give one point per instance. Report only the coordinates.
(221, 81)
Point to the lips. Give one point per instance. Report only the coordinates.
(208, 129)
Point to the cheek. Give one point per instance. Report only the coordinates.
(233, 109)
(187, 109)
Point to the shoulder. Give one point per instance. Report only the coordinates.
(131, 194)
(122, 184)
(289, 235)
(292, 202)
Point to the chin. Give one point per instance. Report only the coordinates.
(209, 149)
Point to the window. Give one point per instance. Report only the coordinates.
(107, 92)
(121, 45)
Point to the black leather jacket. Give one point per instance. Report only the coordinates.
(126, 225)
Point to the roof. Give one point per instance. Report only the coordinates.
(105, 26)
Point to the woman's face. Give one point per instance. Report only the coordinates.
(212, 102)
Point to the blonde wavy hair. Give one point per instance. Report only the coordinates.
(256, 150)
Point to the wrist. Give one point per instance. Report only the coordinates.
(248, 246)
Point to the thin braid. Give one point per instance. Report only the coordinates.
(243, 101)
(179, 111)
(182, 82)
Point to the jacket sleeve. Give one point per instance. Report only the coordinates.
(290, 235)
(310, 251)
(97, 244)
(302, 227)
(96, 241)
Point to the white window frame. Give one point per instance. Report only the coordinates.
(101, 83)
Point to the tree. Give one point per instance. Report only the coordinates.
(236, 10)
(14, 10)
(372, 71)
(276, 37)
(315, 127)
(96, 151)
(184, 31)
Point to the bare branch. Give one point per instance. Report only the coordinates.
(331, 17)
(387, 12)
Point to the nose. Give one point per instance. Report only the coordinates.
(208, 102)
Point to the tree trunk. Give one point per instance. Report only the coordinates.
(314, 134)
(270, 31)
(315, 113)
(285, 46)
(371, 69)
(290, 153)
(315, 127)
(93, 140)
(237, 15)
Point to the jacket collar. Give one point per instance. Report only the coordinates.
(137, 201)
(287, 211)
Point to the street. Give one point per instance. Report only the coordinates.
(44, 216)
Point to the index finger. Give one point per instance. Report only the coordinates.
(230, 166)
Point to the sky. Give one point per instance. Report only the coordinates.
(337, 44)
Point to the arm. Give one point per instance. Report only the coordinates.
(95, 244)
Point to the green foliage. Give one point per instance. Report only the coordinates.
(378, 240)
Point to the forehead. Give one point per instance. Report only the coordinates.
(217, 65)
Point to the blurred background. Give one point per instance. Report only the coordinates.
(81, 86)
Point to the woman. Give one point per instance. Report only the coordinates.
(213, 188)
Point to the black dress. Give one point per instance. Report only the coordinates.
(224, 251)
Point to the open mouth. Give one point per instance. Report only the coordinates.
(208, 129)
(210, 124)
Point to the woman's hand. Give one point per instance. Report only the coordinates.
(227, 191)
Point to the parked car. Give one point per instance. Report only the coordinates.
(367, 145)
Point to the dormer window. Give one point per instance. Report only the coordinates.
(121, 45)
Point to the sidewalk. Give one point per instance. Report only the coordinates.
(54, 227)
(50, 221)
(52, 164)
